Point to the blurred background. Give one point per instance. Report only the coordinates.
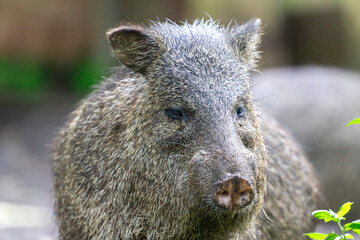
(52, 52)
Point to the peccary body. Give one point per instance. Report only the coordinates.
(316, 103)
(171, 147)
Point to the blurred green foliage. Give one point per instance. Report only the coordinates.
(27, 80)
(331, 216)
(355, 121)
(87, 73)
(20, 75)
(23, 78)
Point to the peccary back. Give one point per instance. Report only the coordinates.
(316, 103)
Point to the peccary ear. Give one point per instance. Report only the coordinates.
(245, 39)
(134, 46)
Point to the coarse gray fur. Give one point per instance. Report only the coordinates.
(125, 170)
(316, 103)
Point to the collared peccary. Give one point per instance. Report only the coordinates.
(171, 147)
(316, 103)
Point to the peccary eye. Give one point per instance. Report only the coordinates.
(240, 112)
(175, 114)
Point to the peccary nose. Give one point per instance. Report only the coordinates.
(234, 193)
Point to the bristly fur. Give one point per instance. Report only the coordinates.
(124, 169)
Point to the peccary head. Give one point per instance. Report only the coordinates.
(169, 146)
(195, 127)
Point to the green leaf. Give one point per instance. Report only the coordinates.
(355, 121)
(355, 226)
(349, 236)
(333, 214)
(327, 216)
(344, 209)
(316, 236)
(332, 236)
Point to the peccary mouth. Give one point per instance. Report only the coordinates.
(209, 215)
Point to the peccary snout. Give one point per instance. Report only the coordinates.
(234, 193)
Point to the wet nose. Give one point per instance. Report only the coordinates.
(234, 193)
